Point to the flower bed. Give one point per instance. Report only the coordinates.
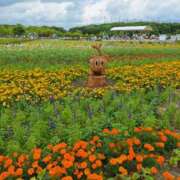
(111, 153)
(38, 85)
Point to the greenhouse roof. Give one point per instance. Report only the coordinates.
(132, 28)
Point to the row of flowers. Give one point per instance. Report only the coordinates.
(37, 85)
(111, 153)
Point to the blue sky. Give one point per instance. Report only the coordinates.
(69, 13)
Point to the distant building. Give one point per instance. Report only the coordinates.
(132, 28)
(178, 37)
(173, 38)
(163, 37)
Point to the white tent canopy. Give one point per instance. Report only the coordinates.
(132, 28)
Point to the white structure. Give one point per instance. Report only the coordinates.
(178, 37)
(162, 37)
(132, 28)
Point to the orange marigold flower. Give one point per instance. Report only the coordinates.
(113, 161)
(67, 164)
(35, 164)
(168, 176)
(137, 141)
(47, 158)
(94, 177)
(11, 170)
(67, 178)
(81, 153)
(122, 158)
(154, 170)
(59, 146)
(69, 157)
(168, 132)
(139, 158)
(137, 129)
(80, 144)
(98, 163)
(160, 160)
(123, 171)
(37, 153)
(160, 133)
(147, 129)
(79, 175)
(139, 167)
(30, 171)
(94, 166)
(63, 151)
(130, 141)
(22, 158)
(57, 171)
(106, 131)
(4, 175)
(160, 144)
(8, 162)
(95, 138)
(92, 158)
(149, 147)
(163, 138)
(19, 172)
(87, 171)
(114, 131)
(83, 165)
(131, 153)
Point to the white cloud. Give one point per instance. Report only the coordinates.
(35, 12)
(70, 13)
(161, 10)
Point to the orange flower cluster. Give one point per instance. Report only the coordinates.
(95, 159)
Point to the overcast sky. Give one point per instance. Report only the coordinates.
(69, 13)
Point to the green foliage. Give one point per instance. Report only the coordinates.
(25, 126)
(175, 158)
(158, 28)
(18, 30)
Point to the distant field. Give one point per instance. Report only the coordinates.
(56, 54)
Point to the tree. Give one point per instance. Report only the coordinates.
(18, 30)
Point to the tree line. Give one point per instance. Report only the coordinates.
(84, 31)
(158, 28)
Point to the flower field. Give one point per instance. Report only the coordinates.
(53, 127)
(37, 85)
(111, 154)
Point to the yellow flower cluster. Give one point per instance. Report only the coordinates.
(146, 76)
(36, 85)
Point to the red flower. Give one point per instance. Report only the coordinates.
(19, 172)
(123, 171)
(149, 147)
(67, 178)
(30, 171)
(154, 170)
(37, 154)
(160, 160)
(168, 176)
